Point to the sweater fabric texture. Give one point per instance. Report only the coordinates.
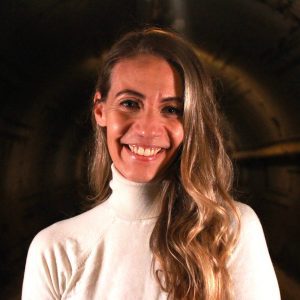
(104, 253)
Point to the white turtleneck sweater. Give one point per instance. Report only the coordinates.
(104, 253)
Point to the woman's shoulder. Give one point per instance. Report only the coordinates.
(251, 235)
(250, 264)
(246, 214)
(60, 250)
(79, 231)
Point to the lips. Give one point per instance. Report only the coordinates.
(144, 151)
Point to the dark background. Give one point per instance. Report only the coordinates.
(49, 53)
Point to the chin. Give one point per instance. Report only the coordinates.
(140, 178)
(140, 175)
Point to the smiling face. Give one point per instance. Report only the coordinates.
(143, 116)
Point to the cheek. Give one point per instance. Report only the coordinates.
(177, 133)
(117, 125)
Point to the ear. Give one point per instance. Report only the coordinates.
(99, 110)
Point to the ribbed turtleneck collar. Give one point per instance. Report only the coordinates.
(132, 200)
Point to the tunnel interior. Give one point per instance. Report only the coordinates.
(49, 58)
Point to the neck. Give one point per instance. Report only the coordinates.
(132, 200)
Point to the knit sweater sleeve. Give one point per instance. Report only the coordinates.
(250, 265)
(40, 275)
(49, 266)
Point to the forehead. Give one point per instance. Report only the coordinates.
(146, 70)
(139, 61)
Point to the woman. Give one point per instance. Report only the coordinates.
(164, 224)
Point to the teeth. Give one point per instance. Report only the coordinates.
(144, 151)
(140, 151)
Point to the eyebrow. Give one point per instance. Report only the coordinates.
(175, 98)
(132, 92)
(142, 96)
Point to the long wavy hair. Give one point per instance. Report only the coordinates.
(194, 234)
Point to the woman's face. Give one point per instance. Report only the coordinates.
(143, 116)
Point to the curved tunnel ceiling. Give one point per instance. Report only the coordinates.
(254, 47)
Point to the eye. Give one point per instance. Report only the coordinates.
(130, 104)
(172, 110)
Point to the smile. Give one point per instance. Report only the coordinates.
(148, 151)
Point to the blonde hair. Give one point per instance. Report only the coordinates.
(193, 236)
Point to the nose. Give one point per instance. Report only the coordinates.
(148, 125)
